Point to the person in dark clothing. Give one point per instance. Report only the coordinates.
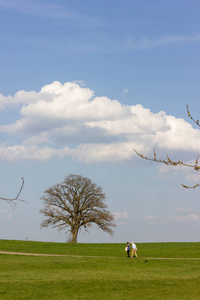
(128, 249)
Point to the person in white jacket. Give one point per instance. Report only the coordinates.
(134, 248)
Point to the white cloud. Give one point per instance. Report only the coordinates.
(193, 177)
(5, 216)
(93, 153)
(120, 216)
(32, 152)
(173, 138)
(184, 216)
(152, 218)
(125, 92)
(146, 43)
(39, 8)
(68, 120)
(188, 218)
(183, 210)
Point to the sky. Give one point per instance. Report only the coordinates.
(82, 84)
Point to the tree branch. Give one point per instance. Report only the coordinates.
(169, 162)
(12, 200)
(189, 115)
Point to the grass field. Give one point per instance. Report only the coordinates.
(99, 271)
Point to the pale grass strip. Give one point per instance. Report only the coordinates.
(68, 255)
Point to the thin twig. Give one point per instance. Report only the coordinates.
(189, 115)
(11, 200)
(169, 162)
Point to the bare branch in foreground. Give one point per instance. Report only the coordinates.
(12, 200)
(189, 115)
(190, 187)
(169, 162)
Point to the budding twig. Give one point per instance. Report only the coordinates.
(169, 162)
(189, 115)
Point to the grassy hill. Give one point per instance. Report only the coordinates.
(99, 271)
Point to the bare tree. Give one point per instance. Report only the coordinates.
(74, 204)
(170, 162)
(13, 200)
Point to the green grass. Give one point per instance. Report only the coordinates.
(99, 271)
(162, 250)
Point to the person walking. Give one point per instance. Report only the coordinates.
(134, 248)
(128, 248)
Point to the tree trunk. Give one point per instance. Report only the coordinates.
(74, 233)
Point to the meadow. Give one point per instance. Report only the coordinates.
(99, 271)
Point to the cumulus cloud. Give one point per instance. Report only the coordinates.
(69, 120)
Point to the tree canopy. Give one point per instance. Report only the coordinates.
(74, 204)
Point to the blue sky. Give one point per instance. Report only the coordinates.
(82, 83)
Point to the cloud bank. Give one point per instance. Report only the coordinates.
(69, 120)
